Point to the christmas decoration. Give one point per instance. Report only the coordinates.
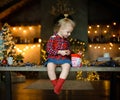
(104, 33)
(8, 41)
(43, 53)
(6, 44)
(4, 61)
(62, 7)
(87, 76)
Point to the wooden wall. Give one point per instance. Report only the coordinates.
(38, 12)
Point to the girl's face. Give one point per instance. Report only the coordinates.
(65, 31)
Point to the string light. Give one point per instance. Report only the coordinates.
(20, 28)
(108, 26)
(98, 26)
(26, 48)
(114, 23)
(90, 27)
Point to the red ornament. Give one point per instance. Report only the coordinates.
(4, 61)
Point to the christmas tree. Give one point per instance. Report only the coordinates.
(7, 42)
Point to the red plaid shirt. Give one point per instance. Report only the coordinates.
(56, 43)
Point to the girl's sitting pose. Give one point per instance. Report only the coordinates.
(58, 50)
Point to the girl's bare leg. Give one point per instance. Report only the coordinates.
(51, 71)
(65, 70)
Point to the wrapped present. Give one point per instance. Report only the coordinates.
(76, 60)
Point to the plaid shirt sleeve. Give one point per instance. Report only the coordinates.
(50, 47)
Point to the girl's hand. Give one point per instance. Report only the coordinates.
(64, 52)
(68, 52)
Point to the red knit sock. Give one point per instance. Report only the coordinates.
(54, 82)
(59, 85)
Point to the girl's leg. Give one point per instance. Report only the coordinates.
(65, 70)
(51, 73)
(63, 76)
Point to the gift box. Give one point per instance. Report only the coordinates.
(76, 60)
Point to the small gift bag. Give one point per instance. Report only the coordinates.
(76, 60)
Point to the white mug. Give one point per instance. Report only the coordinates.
(10, 60)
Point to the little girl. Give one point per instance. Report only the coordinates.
(58, 50)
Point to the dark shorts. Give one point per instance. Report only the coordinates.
(58, 62)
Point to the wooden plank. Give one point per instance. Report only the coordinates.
(42, 68)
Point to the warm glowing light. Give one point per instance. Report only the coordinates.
(23, 53)
(88, 32)
(30, 28)
(95, 47)
(110, 48)
(24, 31)
(90, 46)
(34, 46)
(83, 43)
(111, 44)
(105, 31)
(113, 35)
(95, 31)
(39, 40)
(38, 45)
(39, 26)
(108, 26)
(119, 48)
(20, 28)
(14, 28)
(98, 46)
(104, 48)
(27, 47)
(90, 27)
(114, 23)
(98, 25)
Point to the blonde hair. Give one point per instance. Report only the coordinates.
(63, 22)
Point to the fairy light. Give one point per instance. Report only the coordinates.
(24, 31)
(113, 35)
(118, 48)
(95, 31)
(110, 48)
(26, 48)
(39, 40)
(88, 32)
(90, 46)
(104, 48)
(30, 28)
(98, 26)
(23, 53)
(14, 28)
(114, 23)
(98, 47)
(95, 47)
(90, 27)
(20, 28)
(111, 44)
(105, 31)
(108, 26)
(38, 45)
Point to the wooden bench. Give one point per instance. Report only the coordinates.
(41, 68)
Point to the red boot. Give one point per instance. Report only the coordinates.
(54, 82)
(59, 85)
